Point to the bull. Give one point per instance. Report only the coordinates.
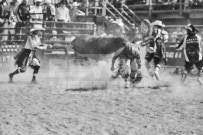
(96, 47)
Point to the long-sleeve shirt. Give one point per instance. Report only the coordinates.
(62, 13)
(37, 13)
(129, 52)
(33, 42)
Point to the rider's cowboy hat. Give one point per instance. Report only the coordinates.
(37, 27)
(158, 23)
(191, 28)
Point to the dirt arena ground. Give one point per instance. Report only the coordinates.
(57, 107)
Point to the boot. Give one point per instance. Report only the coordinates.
(11, 78)
(34, 79)
(127, 84)
(184, 75)
(11, 75)
(156, 74)
(200, 80)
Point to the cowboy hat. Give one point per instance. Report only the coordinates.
(47, 1)
(158, 23)
(75, 4)
(191, 28)
(38, 0)
(37, 27)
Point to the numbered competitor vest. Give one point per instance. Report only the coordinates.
(193, 49)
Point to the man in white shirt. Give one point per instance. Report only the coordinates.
(36, 12)
(62, 15)
(62, 12)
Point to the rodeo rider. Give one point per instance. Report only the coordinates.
(129, 53)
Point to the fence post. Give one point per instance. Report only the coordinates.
(87, 8)
(95, 29)
(103, 7)
(181, 8)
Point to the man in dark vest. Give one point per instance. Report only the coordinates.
(23, 19)
(192, 46)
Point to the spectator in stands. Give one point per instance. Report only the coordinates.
(120, 23)
(149, 4)
(116, 3)
(37, 12)
(74, 12)
(13, 17)
(186, 4)
(23, 17)
(4, 15)
(62, 15)
(84, 5)
(177, 35)
(49, 13)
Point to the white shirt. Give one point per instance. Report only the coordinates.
(33, 42)
(37, 10)
(62, 13)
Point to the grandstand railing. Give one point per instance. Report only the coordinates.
(9, 48)
(178, 7)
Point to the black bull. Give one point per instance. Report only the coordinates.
(96, 47)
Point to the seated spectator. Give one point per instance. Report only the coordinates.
(74, 12)
(177, 35)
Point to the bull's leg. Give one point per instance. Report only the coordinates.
(184, 76)
(127, 81)
(117, 68)
(134, 70)
(36, 70)
(199, 79)
(149, 69)
(156, 72)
